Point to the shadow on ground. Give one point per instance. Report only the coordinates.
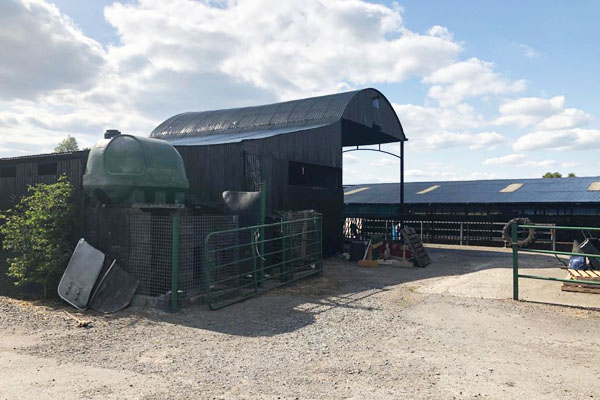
(343, 285)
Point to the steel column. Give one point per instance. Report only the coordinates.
(176, 229)
(515, 246)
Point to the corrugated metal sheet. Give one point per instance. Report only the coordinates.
(238, 124)
(233, 137)
(563, 190)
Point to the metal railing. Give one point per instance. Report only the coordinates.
(461, 232)
(516, 250)
(241, 263)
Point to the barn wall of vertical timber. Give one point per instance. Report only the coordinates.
(17, 174)
(215, 168)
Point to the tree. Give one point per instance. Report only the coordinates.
(39, 232)
(552, 175)
(67, 145)
(572, 175)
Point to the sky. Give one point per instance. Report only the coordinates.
(483, 89)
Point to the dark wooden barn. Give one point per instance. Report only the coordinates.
(18, 173)
(294, 147)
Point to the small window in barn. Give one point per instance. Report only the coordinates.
(352, 191)
(303, 174)
(8, 172)
(47, 169)
(594, 187)
(429, 189)
(375, 103)
(513, 187)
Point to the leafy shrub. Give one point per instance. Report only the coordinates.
(38, 232)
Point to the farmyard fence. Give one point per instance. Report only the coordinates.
(208, 257)
(243, 262)
(516, 275)
(153, 261)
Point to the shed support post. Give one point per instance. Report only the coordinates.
(461, 232)
(263, 212)
(176, 230)
(402, 183)
(515, 248)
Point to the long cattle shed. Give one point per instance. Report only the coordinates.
(475, 212)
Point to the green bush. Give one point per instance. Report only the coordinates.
(39, 233)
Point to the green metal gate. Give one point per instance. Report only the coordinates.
(514, 239)
(241, 263)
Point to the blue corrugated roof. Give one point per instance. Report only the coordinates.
(558, 190)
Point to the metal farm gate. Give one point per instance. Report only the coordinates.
(210, 257)
(243, 262)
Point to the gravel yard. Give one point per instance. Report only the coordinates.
(446, 331)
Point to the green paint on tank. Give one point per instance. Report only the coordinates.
(135, 169)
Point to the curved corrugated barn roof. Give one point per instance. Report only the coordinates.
(366, 108)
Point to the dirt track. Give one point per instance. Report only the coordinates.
(446, 331)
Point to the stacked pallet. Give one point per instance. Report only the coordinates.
(413, 240)
(582, 275)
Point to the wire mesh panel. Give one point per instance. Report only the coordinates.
(194, 230)
(243, 262)
(150, 252)
(150, 255)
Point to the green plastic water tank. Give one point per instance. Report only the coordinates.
(135, 169)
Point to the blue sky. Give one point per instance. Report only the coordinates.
(484, 89)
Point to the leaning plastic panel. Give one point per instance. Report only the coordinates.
(78, 280)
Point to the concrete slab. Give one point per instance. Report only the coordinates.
(480, 272)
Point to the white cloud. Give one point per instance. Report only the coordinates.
(185, 55)
(422, 119)
(566, 119)
(569, 139)
(470, 78)
(486, 141)
(442, 174)
(538, 164)
(384, 162)
(440, 31)
(433, 128)
(42, 51)
(323, 46)
(416, 174)
(510, 159)
(528, 51)
(350, 158)
(545, 114)
(474, 141)
(569, 164)
(519, 160)
(529, 110)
